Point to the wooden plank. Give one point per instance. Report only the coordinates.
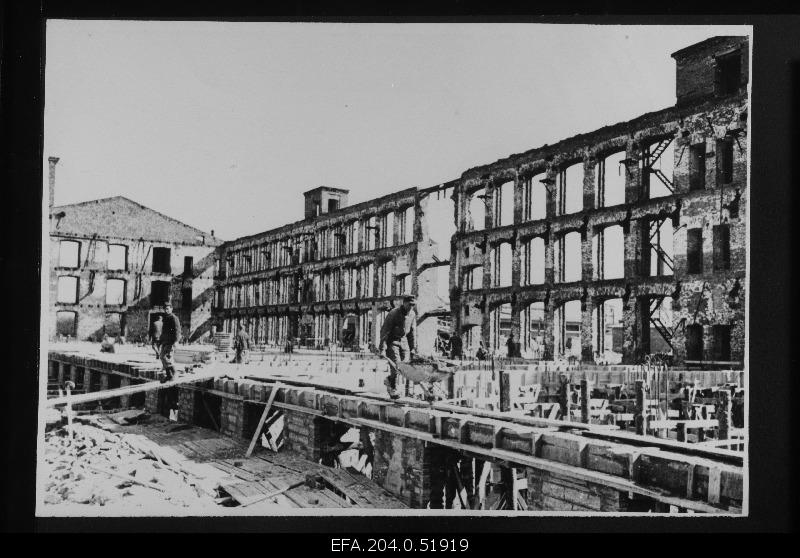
(273, 392)
(594, 431)
(714, 484)
(618, 483)
(689, 424)
(211, 373)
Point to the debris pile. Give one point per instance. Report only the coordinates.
(87, 464)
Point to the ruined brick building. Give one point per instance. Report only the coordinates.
(627, 240)
(332, 277)
(606, 246)
(113, 264)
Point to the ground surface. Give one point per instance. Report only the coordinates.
(106, 466)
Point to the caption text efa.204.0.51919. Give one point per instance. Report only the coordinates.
(399, 545)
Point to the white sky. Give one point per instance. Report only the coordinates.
(224, 125)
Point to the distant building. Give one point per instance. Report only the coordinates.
(114, 263)
(646, 218)
(332, 277)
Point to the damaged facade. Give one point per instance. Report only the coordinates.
(622, 242)
(114, 263)
(604, 247)
(332, 277)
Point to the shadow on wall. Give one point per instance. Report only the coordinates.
(204, 264)
(201, 330)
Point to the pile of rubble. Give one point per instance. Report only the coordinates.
(85, 464)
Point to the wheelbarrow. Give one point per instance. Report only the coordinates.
(426, 372)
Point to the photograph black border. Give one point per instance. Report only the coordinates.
(772, 358)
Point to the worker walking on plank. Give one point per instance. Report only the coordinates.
(398, 339)
(170, 335)
(241, 344)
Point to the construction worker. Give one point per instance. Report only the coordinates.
(241, 344)
(398, 339)
(170, 335)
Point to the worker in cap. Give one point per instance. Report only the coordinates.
(170, 335)
(398, 339)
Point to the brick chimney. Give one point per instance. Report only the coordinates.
(52, 180)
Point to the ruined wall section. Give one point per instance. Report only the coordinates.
(92, 309)
(714, 125)
(252, 287)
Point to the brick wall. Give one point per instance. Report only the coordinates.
(552, 492)
(186, 399)
(151, 400)
(303, 434)
(404, 467)
(232, 417)
(92, 273)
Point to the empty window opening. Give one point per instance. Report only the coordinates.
(371, 230)
(388, 230)
(117, 257)
(608, 331)
(69, 253)
(188, 266)
(500, 328)
(568, 257)
(659, 325)
(504, 204)
(533, 330)
(724, 161)
(610, 180)
(114, 325)
(161, 260)
(694, 342)
(333, 205)
(66, 323)
(567, 330)
(501, 265)
(442, 285)
(115, 291)
(159, 293)
(534, 198)
(385, 278)
(408, 218)
(403, 282)
(722, 247)
(721, 350)
(694, 250)
(67, 290)
(533, 261)
(186, 304)
(658, 253)
(474, 278)
(658, 168)
(369, 278)
(608, 253)
(476, 211)
(440, 223)
(728, 73)
(697, 166)
(570, 190)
